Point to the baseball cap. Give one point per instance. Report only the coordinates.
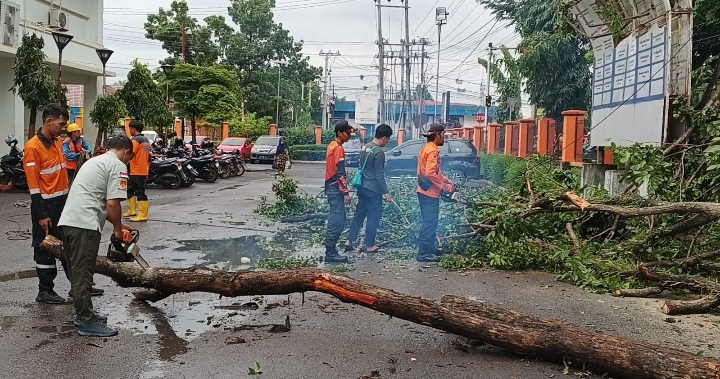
(434, 129)
(344, 126)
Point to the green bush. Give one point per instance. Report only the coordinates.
(503, 170)
(303, 135)
(308, 152)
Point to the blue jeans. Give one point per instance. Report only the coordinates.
(369, 206)
(335, 222)
(430, 215)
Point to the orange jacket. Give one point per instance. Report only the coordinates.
(429, 165)
(45, 168)
(140, 164)
(335, 176)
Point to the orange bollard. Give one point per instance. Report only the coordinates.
(225, 130)
(479, 138)
(468, 132)
(79, 120)
(608, 157)
(512, 138)
(493, 138)
(401, 136)
(546, 137)
(178, 128)
(527, 137)
(318, 135)
(573, 131)
(127, 126)
(273, 130)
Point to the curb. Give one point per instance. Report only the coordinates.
(309, 162)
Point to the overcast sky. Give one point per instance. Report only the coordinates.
(348, 26)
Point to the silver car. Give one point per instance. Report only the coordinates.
(264, 149)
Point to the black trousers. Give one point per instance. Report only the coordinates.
(430, 215)
(335, 222)
(71, 174)
(45, 263)
(81, 247)
(369, 206)
(136, 187)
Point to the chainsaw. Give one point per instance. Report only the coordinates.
(126, 250)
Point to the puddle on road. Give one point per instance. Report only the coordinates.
(25, 274)
(6, 322)
(244, 253)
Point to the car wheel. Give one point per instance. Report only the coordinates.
(458, 177)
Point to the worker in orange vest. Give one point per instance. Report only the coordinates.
(74, 147)
(139, 170)
(431, 186)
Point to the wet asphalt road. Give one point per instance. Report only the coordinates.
(202, 336)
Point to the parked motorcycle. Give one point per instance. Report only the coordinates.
(190, 172)
(12, 173)
(166, 173)
(207, 168)
(237, 166)
(226, 166)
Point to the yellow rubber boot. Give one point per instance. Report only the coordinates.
(132, 202)
(143, 207)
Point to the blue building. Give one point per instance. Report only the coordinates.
(460, 114)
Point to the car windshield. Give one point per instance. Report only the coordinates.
(233, 142)
(268, 141)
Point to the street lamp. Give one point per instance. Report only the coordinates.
(104, 55)
(441, 15)
(61, 40)
(167, 69)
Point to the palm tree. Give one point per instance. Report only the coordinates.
(33, 82)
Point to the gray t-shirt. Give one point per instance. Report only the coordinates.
(374, 173)
(99, 179)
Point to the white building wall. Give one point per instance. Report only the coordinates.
(81, 64)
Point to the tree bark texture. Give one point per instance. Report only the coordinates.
(514, 331)
(690, 306)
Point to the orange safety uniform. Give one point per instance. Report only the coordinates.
(335, 176)
(45, 167)
(140, 164)
(429, 165)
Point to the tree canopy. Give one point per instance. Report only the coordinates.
(254, 46)
(207, 92)
(105, 114)
(553, 59)
(34, 81)
(144, 99)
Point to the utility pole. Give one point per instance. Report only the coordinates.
(277, 102)
(408, 67)
(381, 63)
(487, 108)
(182, 56)
(423, 87)
(325, 83)
(440, 19)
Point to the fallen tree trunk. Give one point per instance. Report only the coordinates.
(517, 332)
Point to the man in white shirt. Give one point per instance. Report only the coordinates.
(99, 187)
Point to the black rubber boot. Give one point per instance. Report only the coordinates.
(334, 257)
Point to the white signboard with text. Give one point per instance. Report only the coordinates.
(366, 108)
